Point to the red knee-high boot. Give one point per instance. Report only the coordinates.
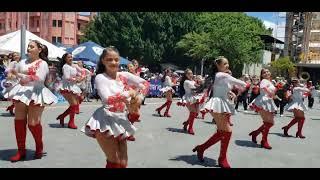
(36, 132)
(161, 107)
(265, 132)
(72, 114)
(225, 139)
(186, 123)
(20, 127)
(191, 121)
(300, 126)
(255, 133)
(287, 127)
(123, 165)
(63, 115)
(211, 141)
(10, 109)
(112, 165)
(166, 113)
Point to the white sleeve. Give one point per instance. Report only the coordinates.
(264, 84)
(67, 73)
(43, 71)
(230, 79)
(136, 81)
(103, 88)
(301, 89)
(188, 84)
(168, 80)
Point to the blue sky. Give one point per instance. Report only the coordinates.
(267, 16)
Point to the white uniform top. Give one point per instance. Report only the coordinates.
(298, 93)
(188, 85)
(219, 103)
(69, 73)
(34, 72)
(223, 83)
(111, 117)
(268, 85)
(112, 92)
(32, 88)
(167, 82)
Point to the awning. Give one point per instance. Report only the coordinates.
(270, 39)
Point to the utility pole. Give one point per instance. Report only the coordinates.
(202, 62)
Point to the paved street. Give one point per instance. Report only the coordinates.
(161, 142)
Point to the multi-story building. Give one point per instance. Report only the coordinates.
(302, 43)
(56, 27)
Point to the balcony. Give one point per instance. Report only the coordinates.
(314, 45)
(34, 14)
(83, 18)
(34, 29)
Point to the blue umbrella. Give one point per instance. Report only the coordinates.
(124, 61)
(89, 63)
(89, 51)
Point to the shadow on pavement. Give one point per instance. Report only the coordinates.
(177, 130)
(246, 143)
(193, 160)
(5, 154)
(282, 135)
(6, 115)
(57, 125)
(209, 122)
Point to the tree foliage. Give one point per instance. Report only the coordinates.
(282, 66)
(233, 35)
(148, 36)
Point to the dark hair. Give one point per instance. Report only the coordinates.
(134, 61)
(183, 79)
(44, 50)
(62, 62)
(263, 69)
(100, 67)
(208, 83)
(166, 71)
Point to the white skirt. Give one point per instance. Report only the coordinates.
(70, 88)
(219, 105)
(263, 103)
(166, 89)
(39, 95)
(113, 124)
(296, 105)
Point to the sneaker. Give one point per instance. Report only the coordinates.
(281, 115)
(245, 111)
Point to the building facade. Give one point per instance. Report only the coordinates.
(302, 43)
(56, 27)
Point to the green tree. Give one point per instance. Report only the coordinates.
(233, 35)
(148, 36)
(282, 67)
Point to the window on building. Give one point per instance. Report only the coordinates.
(59, 23)
(79, 25)
(0, 25)
(16, 24)
(38, 23)
(54, 23)
(54, 39)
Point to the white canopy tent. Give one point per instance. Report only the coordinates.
(11, 43)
